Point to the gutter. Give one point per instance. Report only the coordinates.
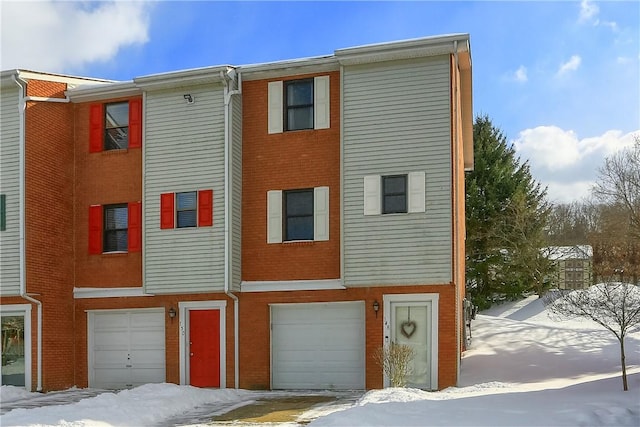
(228, 78)
(23, 252)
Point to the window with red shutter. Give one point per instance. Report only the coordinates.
(95, 229)
(167, 210)
(135, 227)
(205, 208)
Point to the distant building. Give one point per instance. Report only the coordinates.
(574, 265)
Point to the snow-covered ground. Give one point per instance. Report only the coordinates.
(523, 369)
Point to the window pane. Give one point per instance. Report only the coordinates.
(300, 118)
(116, 139)
(395, 184)
(186, 200)
(299, 203)
(300, 228)
(117, 115)
(116, 218)
(300, 93)
(12, 340)
(115, 241)
(395, 204)
(186, 218)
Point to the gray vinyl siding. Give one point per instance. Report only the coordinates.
(184, 151)
(10, 186)
(396, 120)
(236, 191)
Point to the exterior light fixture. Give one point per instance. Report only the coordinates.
(376, 307)
(172, 313)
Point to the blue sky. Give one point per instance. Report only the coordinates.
(561, 79)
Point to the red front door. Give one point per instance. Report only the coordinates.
(204, 348)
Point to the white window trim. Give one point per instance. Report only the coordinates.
(416, 193)
(22, 310)
(321, 105)
(275, 224)
(183, 308)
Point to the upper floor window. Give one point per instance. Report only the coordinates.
(301, 214)
(186, 209)
(299, 104)
(116, 225)
(298, 209)
(394, 194)
(115, 228)
(390, 194)
(115, 126)
(116, 132)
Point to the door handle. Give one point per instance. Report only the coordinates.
(190, 354)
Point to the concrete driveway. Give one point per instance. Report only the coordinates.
(273, 408)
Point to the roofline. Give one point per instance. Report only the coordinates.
(6, 76)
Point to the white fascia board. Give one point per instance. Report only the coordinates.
(405, 49)
(196, 76)
(6, 78)
(102, 92)
(291, 285)
(82, 293)
(270, 70)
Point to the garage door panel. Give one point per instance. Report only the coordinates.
(318, 346)
(128, 348)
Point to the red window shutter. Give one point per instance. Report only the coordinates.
(167, 210)
(95, 229)
(205, 208)
(134, 235)
(96, 128)
(135, 123)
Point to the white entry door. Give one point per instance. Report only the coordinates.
(318, 346)
(412, 320)
(126, 348)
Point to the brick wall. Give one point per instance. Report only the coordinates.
(49, 229)
(288, 160)
(107, 177)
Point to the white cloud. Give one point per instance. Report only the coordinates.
(563, 162)
(521, 74)
(63, 36)
(571, 65)
(588, 10)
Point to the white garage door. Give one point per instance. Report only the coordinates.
(126, 348)
(318, 346)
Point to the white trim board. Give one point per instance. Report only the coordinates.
(291, 285)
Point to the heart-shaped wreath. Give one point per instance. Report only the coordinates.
(408, 328)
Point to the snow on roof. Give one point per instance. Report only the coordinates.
(557, 253)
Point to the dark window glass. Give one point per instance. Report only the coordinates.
(299, 104)
(116, 220)
(186, 204)
(116, 126)
(298, 208)
(394, 194)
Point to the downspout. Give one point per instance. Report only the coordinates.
(228, 93)
(460, 336)
(23, 283)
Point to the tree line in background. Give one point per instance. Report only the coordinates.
(510, 222)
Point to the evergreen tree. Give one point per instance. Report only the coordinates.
(506, 218)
